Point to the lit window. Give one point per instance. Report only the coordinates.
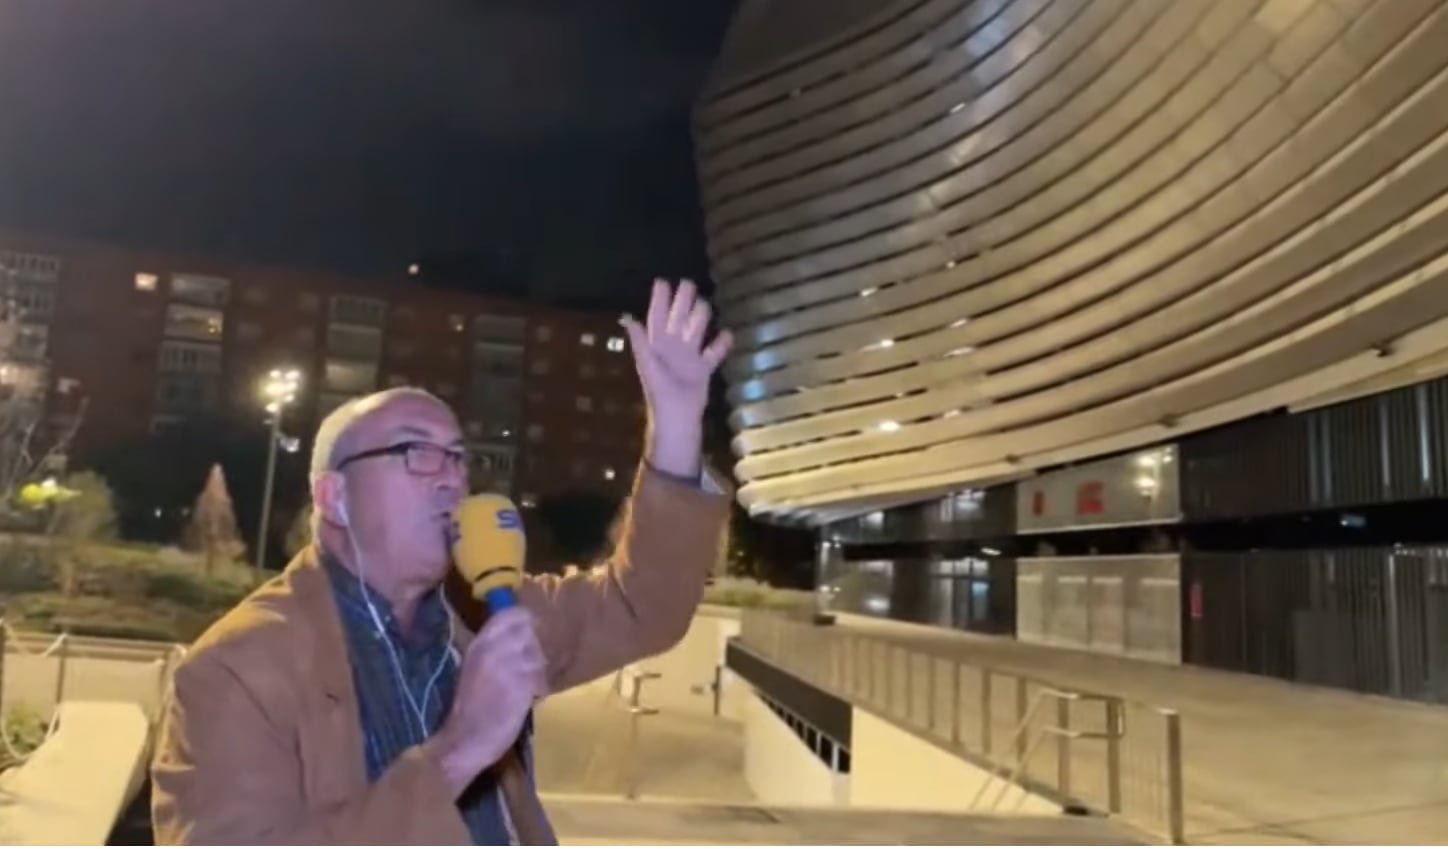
(146, 282)
(587, 340)
(535, 433)
(542, 333)
(615, 344)
(457, 323)
(529, 500)
(584, 404)
(609, 474)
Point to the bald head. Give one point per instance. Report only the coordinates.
(338, 432)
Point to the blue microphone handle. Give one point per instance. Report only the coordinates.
(499, 598)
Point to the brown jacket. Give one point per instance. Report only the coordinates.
(261, 741)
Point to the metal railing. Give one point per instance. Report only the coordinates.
(629, 684)
(64, 650)
(1111, 754)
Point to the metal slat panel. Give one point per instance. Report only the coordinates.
(1123, 276)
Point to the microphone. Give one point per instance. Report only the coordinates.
(488, 547)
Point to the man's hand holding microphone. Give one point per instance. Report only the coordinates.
(503, 670)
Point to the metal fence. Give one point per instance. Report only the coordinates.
(1092, 750)
(39, 671)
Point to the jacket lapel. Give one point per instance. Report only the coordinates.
(331, 673)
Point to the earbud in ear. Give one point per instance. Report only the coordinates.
(342, 518)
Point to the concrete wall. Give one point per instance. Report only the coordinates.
(894, 769)
(780, 768)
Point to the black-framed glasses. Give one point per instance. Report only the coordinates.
(420, 458)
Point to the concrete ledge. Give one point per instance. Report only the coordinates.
(599, 821)
(74, 787)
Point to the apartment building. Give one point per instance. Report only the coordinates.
(548, 398)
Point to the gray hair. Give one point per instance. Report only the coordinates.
(333, 432)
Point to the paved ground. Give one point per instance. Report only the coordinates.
(1266, 761)
(582, 821)
(584, 747)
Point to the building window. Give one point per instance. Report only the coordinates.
(616, 344)
(447, 390)
(586, 340)
(146, 282)
(580, 468)
(353, 378)
(309, 302)
(583, 403)
(585, 371)
(33, 266)
(498, 359)
(540, 367)
(254, 295)
(500, 328)
(474, 429)
(396, 380)
(329, 401)
(358, 343)
(543, 333)
(535, 433)
(190, 358)
(610, 407)
(248, 331)
(457, 323)
(305, 336)
(187, 322)
(202, 289)
(609, 474)
(358, 312)
(402, 350)
(529, 500)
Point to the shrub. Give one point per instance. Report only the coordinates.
(24, 730)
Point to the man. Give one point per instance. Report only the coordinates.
(343, 703)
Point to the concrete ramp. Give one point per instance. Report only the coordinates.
(71, 791)
(583, 820)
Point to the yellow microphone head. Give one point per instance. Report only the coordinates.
(488, 546)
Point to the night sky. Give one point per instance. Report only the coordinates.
(524, 146)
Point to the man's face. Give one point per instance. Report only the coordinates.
(405, 472)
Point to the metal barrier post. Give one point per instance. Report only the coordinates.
(955, 703)
(64, 649)
(1022, 698)
(985, 708)
(3, 649)
(1176, 794)
(1115, 729)
(1063, 746)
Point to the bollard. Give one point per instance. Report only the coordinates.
(63, 648)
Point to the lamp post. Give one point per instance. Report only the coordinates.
(279, 390)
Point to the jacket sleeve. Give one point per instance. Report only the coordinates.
(640, 600)
(223, 774)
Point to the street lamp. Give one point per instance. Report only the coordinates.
(279, 390)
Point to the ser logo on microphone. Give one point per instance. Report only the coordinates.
(509, 520)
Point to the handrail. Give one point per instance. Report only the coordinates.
(961, 706)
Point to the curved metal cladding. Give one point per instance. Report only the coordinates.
(961, 240)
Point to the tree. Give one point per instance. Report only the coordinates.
(30, 447)
(212, 530)
(89, 513)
